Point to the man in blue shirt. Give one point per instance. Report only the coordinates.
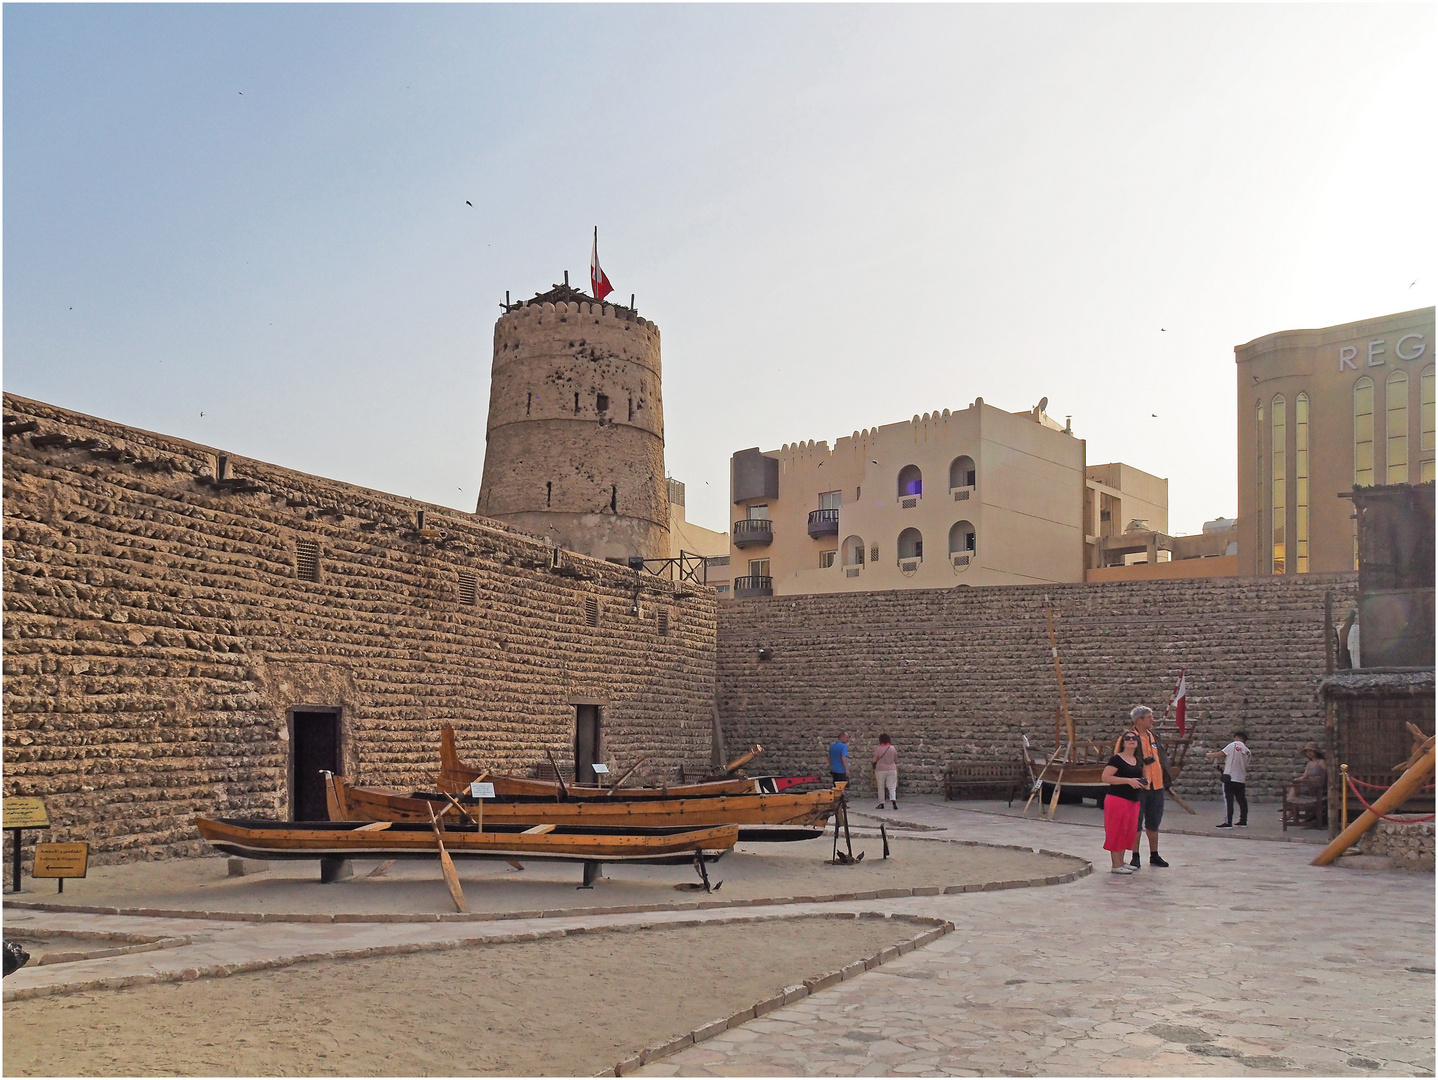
(839, 758)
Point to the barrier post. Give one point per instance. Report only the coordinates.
(1344, 770)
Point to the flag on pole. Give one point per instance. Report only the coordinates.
(1180, 703)
(598, 284)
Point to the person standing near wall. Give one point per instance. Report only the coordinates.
(1235, 774)
(1154, 760)
(1124, 776)
(839, 758)
(886, 771)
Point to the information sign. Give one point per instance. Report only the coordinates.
(25, 812)
(600, 768)
(481, 791)
(61, 860)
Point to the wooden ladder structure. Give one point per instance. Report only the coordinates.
(1064, 752)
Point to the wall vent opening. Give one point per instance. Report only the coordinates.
(307, 560)
(528, 404)
(614, 499)
(591, 611)
(548, 492)
(663, 624)
(467, 587)
(576, 403)
(601, 402)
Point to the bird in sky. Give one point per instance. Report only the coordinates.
(202, 412)
(468, 203)
(240, 92)
(1154, 415)
(1161, 330)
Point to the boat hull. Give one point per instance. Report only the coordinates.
(261, 839)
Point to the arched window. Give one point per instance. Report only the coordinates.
(962, 539)
(1363, 432)
(853, 549)
(1260, 474)
(1279, 456)
(1425, 422)
(962, 473)
(911, 481)
(1396, 396)
(1300, 475)
(911, 545)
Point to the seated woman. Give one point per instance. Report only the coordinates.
(1314, 779)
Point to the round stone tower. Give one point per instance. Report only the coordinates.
(575, 442)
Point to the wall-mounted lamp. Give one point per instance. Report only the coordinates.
(765, 654)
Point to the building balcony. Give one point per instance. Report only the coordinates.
(753, 585)
(911, 500)
(753, 532)
(823, 523)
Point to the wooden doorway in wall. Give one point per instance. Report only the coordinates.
(587, 743)
(314, 750)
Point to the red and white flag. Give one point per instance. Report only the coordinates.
(598, 284)
(1180, 703)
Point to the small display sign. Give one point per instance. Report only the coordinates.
(61, 860)
(601, 769)
(25, 812)
(481, 791)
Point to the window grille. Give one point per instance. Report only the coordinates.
(854, 572)
(960, 496)
(467, 587)
(874, 553)
(591, 611)
(307, 560)
(961, 560)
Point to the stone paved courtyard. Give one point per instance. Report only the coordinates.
(1238, 959)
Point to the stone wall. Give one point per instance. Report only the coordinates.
(157, 630)
(958, 674)
(1408, 844)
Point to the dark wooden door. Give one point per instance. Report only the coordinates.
(314, 747)
(586, 742)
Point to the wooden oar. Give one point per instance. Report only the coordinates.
(446, 864)
(625, 775)
(463, 812)
(563, 791)
(743, 759)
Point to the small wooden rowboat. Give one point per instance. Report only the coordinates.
(259, 839)
(788, 816)
(454, 775)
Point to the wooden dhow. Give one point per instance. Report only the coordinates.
(786, 816)
(454, 776)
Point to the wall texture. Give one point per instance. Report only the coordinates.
(156, 633)
(958, 674)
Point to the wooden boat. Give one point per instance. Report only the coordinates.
(454, 776)
(1084, 778)
(260, 839)
(788, 816)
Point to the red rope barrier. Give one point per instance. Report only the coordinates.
(1385, 817)
(1379, 787)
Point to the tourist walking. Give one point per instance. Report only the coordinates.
(1124, 776)
(839, 758)
(1154, 759)
(886, 771)
(1235, 773)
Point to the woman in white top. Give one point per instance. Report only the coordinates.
(886, 771)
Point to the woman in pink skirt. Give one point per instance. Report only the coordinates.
(1124, 776)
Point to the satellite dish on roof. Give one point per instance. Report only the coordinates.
(1043, 404)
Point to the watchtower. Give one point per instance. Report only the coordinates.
(575, 441)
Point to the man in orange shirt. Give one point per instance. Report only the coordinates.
(1155, 770)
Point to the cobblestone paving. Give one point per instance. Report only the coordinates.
(1238, 959)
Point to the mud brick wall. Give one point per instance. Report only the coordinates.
(156, 631)
(958, 674)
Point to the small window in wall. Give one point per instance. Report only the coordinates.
(1363, 432)
(1300, 476)
(758, 513)
(830, 500)
(826, 559)
(911, 481)
(721, 590)
(576, 403)
(962, 538)
(467, 587)
(853, 548)
(601, 402)
(591, 611)
(1396, 393)
(962, 473)
(758, 568)
(873, 553)
(528, 404)
(1279, 455)
(307, 560)
(663, 623)
(911, 545)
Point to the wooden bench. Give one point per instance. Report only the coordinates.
(1308, 807)
(978, 779)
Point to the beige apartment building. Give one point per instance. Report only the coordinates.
(1319, 413)
(687, 539)
(979, 496)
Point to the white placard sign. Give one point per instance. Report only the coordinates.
(602, 770)
(481, 791)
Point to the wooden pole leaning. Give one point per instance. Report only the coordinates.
(1394, 797)
(446, 865)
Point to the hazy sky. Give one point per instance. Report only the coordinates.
(838, 216)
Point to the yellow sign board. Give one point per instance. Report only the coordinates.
(61, 860)
(25, 812)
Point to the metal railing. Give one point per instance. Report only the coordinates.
(823, 523)
(754, 585)
(751, 531)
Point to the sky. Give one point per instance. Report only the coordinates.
(250, 225)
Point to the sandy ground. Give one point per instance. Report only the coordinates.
(573, 1006)
(750, 871)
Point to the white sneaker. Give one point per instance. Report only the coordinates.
(1125, 869)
